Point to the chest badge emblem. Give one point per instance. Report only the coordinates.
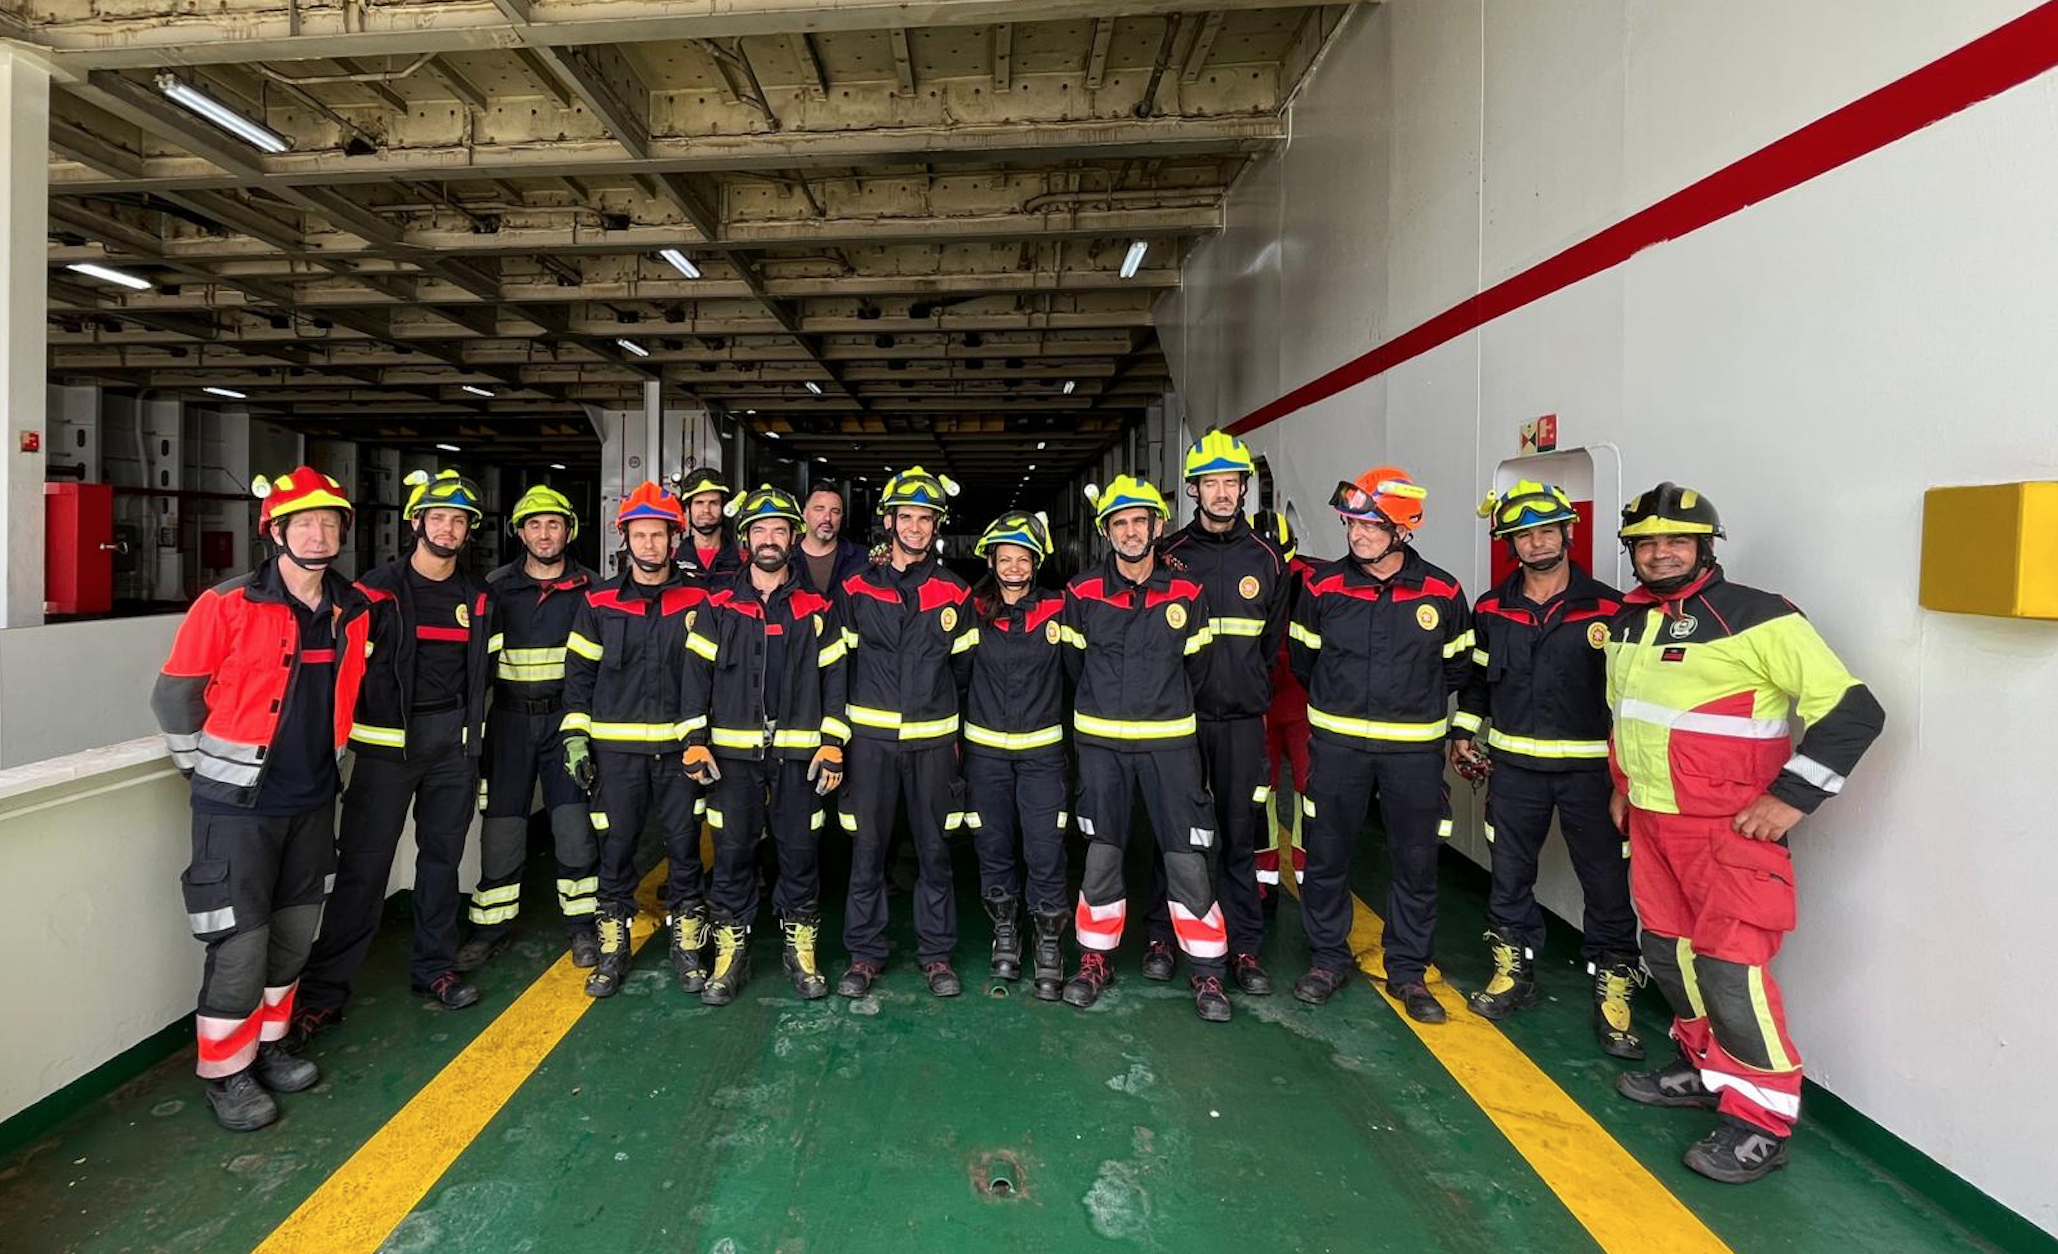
(1175, 614)
(1427, 617)
(1248, 587)
(1051, 632)
(464, 616)
(1685, 626)
(949, 618)
(1597, 635)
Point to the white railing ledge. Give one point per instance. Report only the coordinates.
(35, 782)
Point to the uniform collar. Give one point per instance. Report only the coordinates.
(1160, 573)
(1582, 588)
(1411, 574)
(1641, 595)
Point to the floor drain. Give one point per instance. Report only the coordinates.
(998, 1176)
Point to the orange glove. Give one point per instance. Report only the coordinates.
(826, 769)
(700, 764)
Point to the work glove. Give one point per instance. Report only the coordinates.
(826, 769)
(700, 764)
(579, 762)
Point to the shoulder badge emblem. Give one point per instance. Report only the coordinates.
(1175, 614)
(464, 615)
(1597, 634)
(1248, 586)
(1684, 626)
(1051, 631)
(1427, 617)
(949, 618)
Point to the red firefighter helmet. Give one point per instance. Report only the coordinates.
(304, 488)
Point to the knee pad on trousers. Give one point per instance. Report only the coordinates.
(1734, 1013)
(503, 847)
(571, 833)
(293, 931)
(1101, 881)
(234, 983)
(1670, 961)
(1186, 881)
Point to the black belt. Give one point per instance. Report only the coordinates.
(526, 705)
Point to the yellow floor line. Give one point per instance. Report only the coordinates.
(1621, 1204)
(359, 1206)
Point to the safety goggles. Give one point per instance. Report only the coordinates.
(1352, 500)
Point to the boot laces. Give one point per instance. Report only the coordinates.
(689, 930)
(1506, 960)
(1207, 985)
(1612, 987)
(728, 944)
(801, 936)
(1093, 966)
(614, 933)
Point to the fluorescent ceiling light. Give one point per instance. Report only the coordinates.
(557, 465)
(633, 347)
(814, 387)
(450, 448)
(231, 393)
(823, 460)
(1032, 465)
(475, 391)
(1134, 259)
(1069, 385)
(752, 412)
(111, 275)
(771, 435)
(1040, 444)
(263, 138)
(680, 262)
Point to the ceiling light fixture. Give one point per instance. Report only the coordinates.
(450, 448)
(475, 391)
(262, 138)
(1070, 384)
(1134, 258)
(557, 465)
(111, 275)
(230, 393)
(1040, 444)
(680, 262)
(633, 347)
(814, 387)
(771, 435)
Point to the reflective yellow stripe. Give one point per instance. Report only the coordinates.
(494, 641)
(1443, 829)
(1453, 648)
(1199, 640)
(1481, 657)
(1546, 748)
(1014, 741)
(815, 820)
(1261, 794)
(836, 728)
(583, 647)
(1309, 638)
(496, 896)
(1683, 954)
(888, 720)
(701, 645)
(1489, 832)
(578, 888)
(1368, 730)
(643, 733)
(832, 653)
(528, 673)
(1237, 626)
(1145, 729)
(850, 638)
(1468, 721)
(754, 738)
(1761, 1007)
(1076, 639)
(953, 821)
(965, 641)
(599, 818)
(487, 916)
(389, 737)
(848, 822)
(533, 657)
(714, 818)
(1308, 805)
(574, 721)
(693, 724)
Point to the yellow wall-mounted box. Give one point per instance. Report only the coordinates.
(1991, 549)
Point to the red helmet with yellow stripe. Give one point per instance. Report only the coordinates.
(302, 489)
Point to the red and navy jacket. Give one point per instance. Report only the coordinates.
(1015, 704)
(380, 728)
(1380, 658)
(728, 558)
(625, 660)
(531, 622)
(910, 635)
(1249, 591)
(1137, 652)
(231, 672)
(729, 673)
(1540, 675)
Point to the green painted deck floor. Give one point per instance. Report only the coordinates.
(774, 1125)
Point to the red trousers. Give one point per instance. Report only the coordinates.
(1715, 907)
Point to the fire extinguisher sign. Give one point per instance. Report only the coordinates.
(1539, 435)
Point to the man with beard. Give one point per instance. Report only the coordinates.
(1381, 639)
(534, 601)
(626, 655)
(1701, 675)
(910, 633)
(419, 726)
(827, 559)
(255, 703)
(1539, 672)
(708, 551)
(1246, 580)
(1139, 633)
(763, 712)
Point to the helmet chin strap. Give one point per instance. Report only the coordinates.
(304, 563)
(421, 536)
(649, 568)
(559, 560)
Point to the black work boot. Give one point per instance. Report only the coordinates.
(239, 1103)
(1007, 934)
(1513, 985)
(943, 980)
(857, 979)
(449, 992)
(1209, 1001)
(1736, 1153)
(732, 962)
(1050, 954)
(1613, 987)
(689, 933)
(801, 931)
(585, 948)
(1319, 985)
(1415, 998)
(1158, 961)
(1094, 976)
(309, 1022)
(281, 1072)
(1676, 1085)
(612, 966)
(1250, 975)
(482, 947)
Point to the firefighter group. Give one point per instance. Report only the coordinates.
(753, 674)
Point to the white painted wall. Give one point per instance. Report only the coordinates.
(65, 687)
(1812, 363)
